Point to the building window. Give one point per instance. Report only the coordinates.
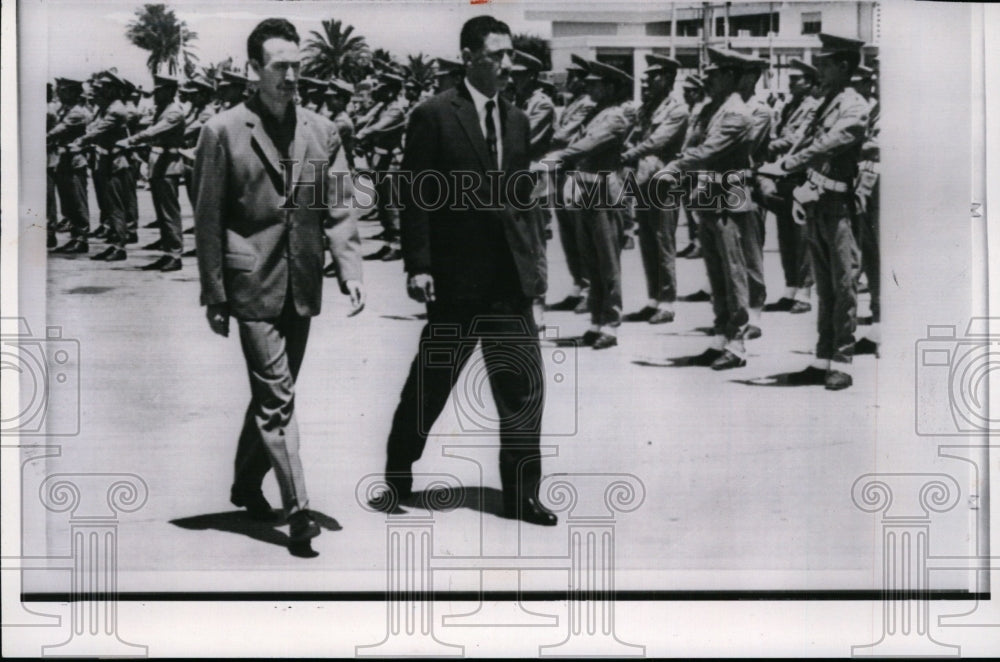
(812, 22)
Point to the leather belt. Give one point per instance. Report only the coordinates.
(720, 177)
(826, 183)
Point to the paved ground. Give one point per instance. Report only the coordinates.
(737, 477)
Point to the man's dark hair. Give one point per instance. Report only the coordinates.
(269, 29)
(476, 29)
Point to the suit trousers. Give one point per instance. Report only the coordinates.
(834, 254)
(273, 350)
(71, 185)
(511, 358)
(167, 204)
(725, 261)
(793, 245)
(870, 258)
(657, 229)
(752, 238)
(600, 244)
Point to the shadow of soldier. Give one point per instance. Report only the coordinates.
(238, 521)
(487, 500)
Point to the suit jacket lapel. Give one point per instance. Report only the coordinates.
(263, 142)
(298, 150)
(469, 119)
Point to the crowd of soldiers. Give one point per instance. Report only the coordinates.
(811, 160)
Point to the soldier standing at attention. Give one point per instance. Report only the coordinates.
(866, 200)
(199, 92)
(793, 244)
(593, 156)
(663, 122)
(716, 145)
(112, 167)
(568, 127)
(71, 166)
(166, 135)
(338, 95)
(829, 152)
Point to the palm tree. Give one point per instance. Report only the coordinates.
(419, 71)
(328, 52)
(156, 29)
(533, 45)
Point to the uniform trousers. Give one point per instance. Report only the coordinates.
(386, 202)
(868, 223)
(119, 188)
(511, 356)
(166, 202)
(273, 350)
(752, 239)
(71, 185)
(600, 244)
(793, 243)
(835, 264)
(657, 229)
(725, 261)
(569, 227)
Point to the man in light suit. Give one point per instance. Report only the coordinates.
(475, 266)
(259, 237)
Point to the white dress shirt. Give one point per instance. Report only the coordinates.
(479, 99)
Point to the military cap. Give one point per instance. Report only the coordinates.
(862, 73)
(198, 83)
(804, 68)
(448, 67)
(389, 76)
(578, 64)
(720, 58)
(600, 71)
(111, 78)
(163, 81)
(69, 83)
(693, 82)
(526, 62)
(307, 83)
(834, 45)
(656, 63)
(338, 86)
(233, 78)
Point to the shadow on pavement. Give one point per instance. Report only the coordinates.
(487, 500)
(238, 521)
(781, 379)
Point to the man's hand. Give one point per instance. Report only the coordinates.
(218, 318)
(122, 144)
(356, 291)
(421, 288)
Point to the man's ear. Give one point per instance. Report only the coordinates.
(466, 56)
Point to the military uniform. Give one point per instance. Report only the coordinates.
(51, 160)
(718, 147)
(752, 234)
(866, 194)
(384, 134)
(829, 152)
(594, 159)
(196, 117)
(166, 167)
(660, 135)
(70, 169)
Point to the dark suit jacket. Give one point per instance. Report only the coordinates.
(484, 251)
(249, 248)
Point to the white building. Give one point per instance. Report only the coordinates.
(623, 33)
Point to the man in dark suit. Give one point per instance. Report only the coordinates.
(259, 237)
(475, 266)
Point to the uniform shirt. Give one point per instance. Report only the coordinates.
(795, 117)
(660, 135)
(167, 129)
(760, 130)
(110, 125)
(541, 112)
(385, 130)
(195, 119)
(599, 147)
(718, 140)
(831, 144)
(572, 120)
(71, 123)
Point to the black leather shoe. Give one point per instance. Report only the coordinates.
(837, 380)
(154, 224)
(393, 255)
(582, 307)
(379, 254)
(116, 255)
(103, 255)
(155, 246)
(752, 332)
(642, 315)
(302, 527)
(782, 305)
(189, 230)
(606, 340)
(567, 304)
(64, 226)
(811, 376)
(73, 246)
(377, 237)
(590, 337)
(662, 317)
(727, 361)
(256, 504)
(99, 233)
(330, 270)
(174, 264)
(865, 320)
(700, 295)
(695, 254)
(800, 307)
(161, 262)
(866, 346)
(51, 241)
(191, 253)
(529, 510)
(708, 357)
(687, 250)
(133, 238)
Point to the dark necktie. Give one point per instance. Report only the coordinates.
(491, 134)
